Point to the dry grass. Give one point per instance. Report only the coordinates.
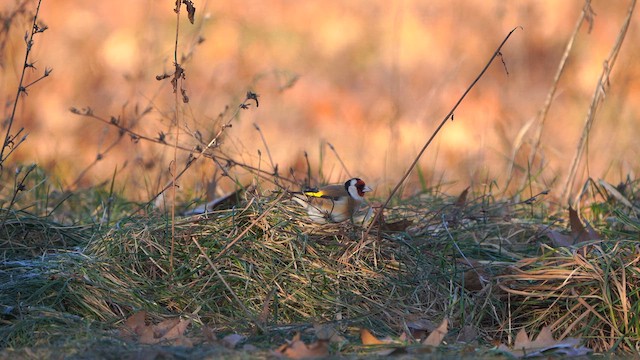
(261, 268)
(233, 264)
(79, 258)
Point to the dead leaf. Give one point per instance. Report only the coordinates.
(617, 193)
(476, 277)
(522, 340)
(544, 345)
(169, 331)
(437, 335)
(369, 339)
(191, 10)
(328, 332)
(147, 335)
(579, 233)
(165, 326)
(134, 325)
(297, 349)
(419, 328)
(397, 226)
(558, 239)
(456, 215)
(462, 198)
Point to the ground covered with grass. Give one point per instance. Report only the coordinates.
(518, 265)
(244, 280)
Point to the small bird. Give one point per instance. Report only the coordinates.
(333, 203)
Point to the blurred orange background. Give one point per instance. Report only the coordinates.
(372, 78)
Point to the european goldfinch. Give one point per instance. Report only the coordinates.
(333, 203)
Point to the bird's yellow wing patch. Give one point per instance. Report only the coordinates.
(313, 193)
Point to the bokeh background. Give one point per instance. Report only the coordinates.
(372, 78)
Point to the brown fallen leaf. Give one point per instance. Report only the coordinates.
(544, 345)
(475, 277)
(579, 233)
(397, 226)
(170, 331)
(437, 335)
(329, 333)
(419, 328)
(458, 207)
(559, 239)
(297, 349)
(369, 339)
(165, 326)
(134, 325)
(462, 198)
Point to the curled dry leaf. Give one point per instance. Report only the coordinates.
(297, 349)
(191, 10)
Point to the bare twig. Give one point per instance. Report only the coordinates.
(344, 167)
(266, 146)
(597, 98)
(378, 215)
(9, 140)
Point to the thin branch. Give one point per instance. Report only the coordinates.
(444, 121)
(344, 167)
(29, 42)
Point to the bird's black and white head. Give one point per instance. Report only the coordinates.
(356, 188)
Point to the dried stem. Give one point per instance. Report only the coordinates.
(8, 138)
(585, 14)
(597, 98)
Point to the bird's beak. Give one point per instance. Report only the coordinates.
(367, 189)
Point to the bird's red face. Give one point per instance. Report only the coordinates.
(356, 188)
(362, 187)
